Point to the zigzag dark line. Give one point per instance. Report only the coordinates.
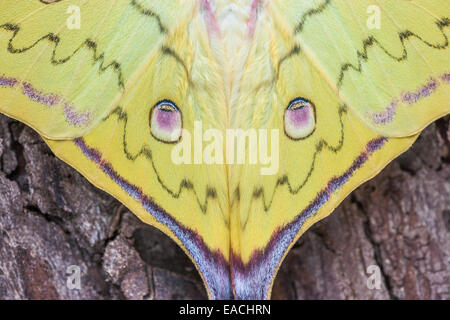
(135, 4)
(88, 43)
(170, 52)
(295, 51)
(299, 28)
(403, 36)
(310, 13)
(147, 12)
(185, 184)
(284, 180)
(211, 192)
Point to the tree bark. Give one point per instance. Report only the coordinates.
(51, 218)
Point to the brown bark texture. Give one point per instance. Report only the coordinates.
(51, 218)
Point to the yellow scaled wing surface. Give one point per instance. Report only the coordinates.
(231, 126)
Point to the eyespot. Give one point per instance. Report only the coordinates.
(165, 122)
(299, 119)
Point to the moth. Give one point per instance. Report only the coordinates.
(232, 126)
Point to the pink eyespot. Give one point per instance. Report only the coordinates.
(299, 119)
(165, 122)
